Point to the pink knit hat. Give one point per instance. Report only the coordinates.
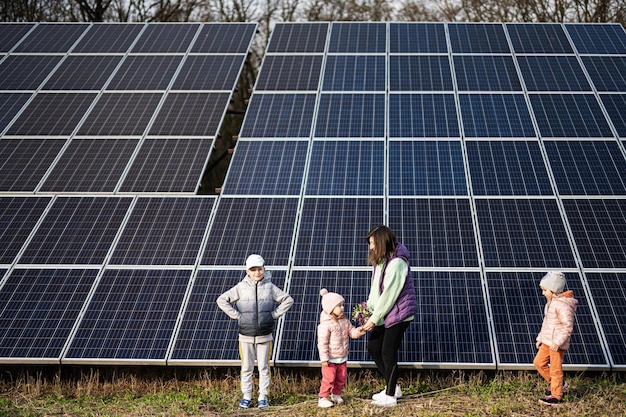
(330, 300)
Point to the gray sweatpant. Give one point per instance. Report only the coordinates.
(248, 353)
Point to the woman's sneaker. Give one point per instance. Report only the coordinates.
(336, 399)
(383, 393)
(386, 401)
(550, 401)
(324, 403)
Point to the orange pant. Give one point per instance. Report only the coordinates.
(549, 364)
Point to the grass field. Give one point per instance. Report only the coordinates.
(215, 392)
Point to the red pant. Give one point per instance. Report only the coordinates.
(334, 378)
(550, 367)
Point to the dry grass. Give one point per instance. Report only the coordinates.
(193, 392)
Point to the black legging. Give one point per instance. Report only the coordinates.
(383, 347)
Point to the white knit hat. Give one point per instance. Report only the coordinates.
(254, 260)
(553, 281)
(330, 300)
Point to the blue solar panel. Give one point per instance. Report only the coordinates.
(518, 304)
(548, 38)
(523, 233)
(279, 115)
(90, 165)
(26, 72)
(358, 37)
(163, 231)
(477, 38)
(333, 230)
(267, 168)
(251, 225)
(24, 162)
(598, 227)
(76, 230)
(419, 73)
(553, 73)
(351, 116)
(11, 33)
(608, 73)
(354, 73)
(167, 165)
(39, 309)
(598, 39)
(206, 333)
(286, 72)
(495, 116)
(131, 315)
(300, 37)
(422, 116)
(426, 168)
(417, 38)
(587, 167)
(437, 232)
(608, 291)
(486, 73)
(507, 168)
(615, 105)
(359, 172)
(569, 115)
(18, 216)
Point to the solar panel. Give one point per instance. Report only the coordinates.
(163, 231)
(553, 73)
(12, 33)
(108, 38)
(486, 73)
(437, 232)
(52, 37)
(598, 39)
(426, 168)
(267, 168)
(285, 72)
(423, 116)
(615, 105)
(354, 73)
(279, 115)
(165, 37)
(228, 37)
(418, 38)
(90, 165)
(40, 307)
(145, 72)
(351, 116)
(608, 73)
(26, 72)
(419, 73)
(26, 161)
(190, 114)
(495, 116)
(587, 167)
(359, 174)
(131, 316)
(301, 37)
(82, 73)
(76, 230)
(477, 38)
(358, 37)
(523, 233)
(548, 38)
(210, 72)
(569, 115)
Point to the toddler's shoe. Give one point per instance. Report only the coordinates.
(324, 403)
(336, 399)
(244, 403)
(385, 401)
(383, 393)
(263, 404)
(550, 401)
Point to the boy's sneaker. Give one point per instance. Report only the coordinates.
(244, 403)
(383, 393)
(565, 388)
(324, 403)
(386, 401)
(336, 399)
(550, 401)
(263, 404)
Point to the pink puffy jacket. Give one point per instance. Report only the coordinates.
(333, 337)
(558, 320)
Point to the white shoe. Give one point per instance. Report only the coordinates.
(386, 401)
(324, 403)
(336, 399)
(380, 395)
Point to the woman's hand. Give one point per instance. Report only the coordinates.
(368, 326)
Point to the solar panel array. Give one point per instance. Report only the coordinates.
(494, 151)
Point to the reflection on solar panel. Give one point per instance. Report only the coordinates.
(494, 151)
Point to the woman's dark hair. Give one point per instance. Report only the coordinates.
(384, 243)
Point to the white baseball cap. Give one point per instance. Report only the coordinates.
(254, 260)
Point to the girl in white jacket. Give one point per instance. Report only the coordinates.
(333, 335)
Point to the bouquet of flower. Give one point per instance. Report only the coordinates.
(360, 313)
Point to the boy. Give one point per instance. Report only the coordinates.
(256, 303)
(554, 338)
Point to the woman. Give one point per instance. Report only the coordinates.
(393, 303)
